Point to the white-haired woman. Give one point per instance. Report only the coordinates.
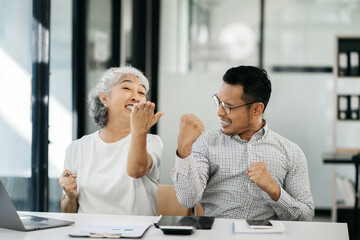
(116, 169)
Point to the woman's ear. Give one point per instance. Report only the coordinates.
(104, 99)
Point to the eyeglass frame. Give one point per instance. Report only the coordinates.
(224, 105)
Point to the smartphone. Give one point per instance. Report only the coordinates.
(179, 230)
(259, 224)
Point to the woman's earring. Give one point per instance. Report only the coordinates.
(105, 105)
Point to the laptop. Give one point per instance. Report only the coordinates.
(10, 219)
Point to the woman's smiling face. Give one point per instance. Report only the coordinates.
(123, 95)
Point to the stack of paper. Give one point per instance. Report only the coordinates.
(241, 226)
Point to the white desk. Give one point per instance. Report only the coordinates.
(222, 229)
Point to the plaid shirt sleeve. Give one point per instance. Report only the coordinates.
(296, 202)
(190, 176)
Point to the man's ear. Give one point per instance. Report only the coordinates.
(103, 98)
(258, 109)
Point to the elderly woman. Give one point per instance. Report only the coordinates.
(115, 170)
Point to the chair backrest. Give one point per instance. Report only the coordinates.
(199, 210)
(168, 203)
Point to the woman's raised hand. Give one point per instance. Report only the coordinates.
(143, 117)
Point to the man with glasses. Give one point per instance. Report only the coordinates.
(243, 170)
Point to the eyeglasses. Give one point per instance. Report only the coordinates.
(227, 109)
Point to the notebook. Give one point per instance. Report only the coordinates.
(240, 226)
(111, 229)
(10, 219)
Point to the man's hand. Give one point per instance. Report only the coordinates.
(260, 175)
(68, 182)
(143, 117)
(190, 129)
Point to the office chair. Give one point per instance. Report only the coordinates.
(199, 211)
(168, 203)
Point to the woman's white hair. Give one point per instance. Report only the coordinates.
(111, 77)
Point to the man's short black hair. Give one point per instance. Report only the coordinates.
(256, 83)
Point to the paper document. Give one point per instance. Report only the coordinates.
(241, 226)
(112, 230)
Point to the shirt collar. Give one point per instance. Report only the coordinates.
(257, 136)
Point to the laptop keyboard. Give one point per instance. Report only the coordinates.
(33, 224)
